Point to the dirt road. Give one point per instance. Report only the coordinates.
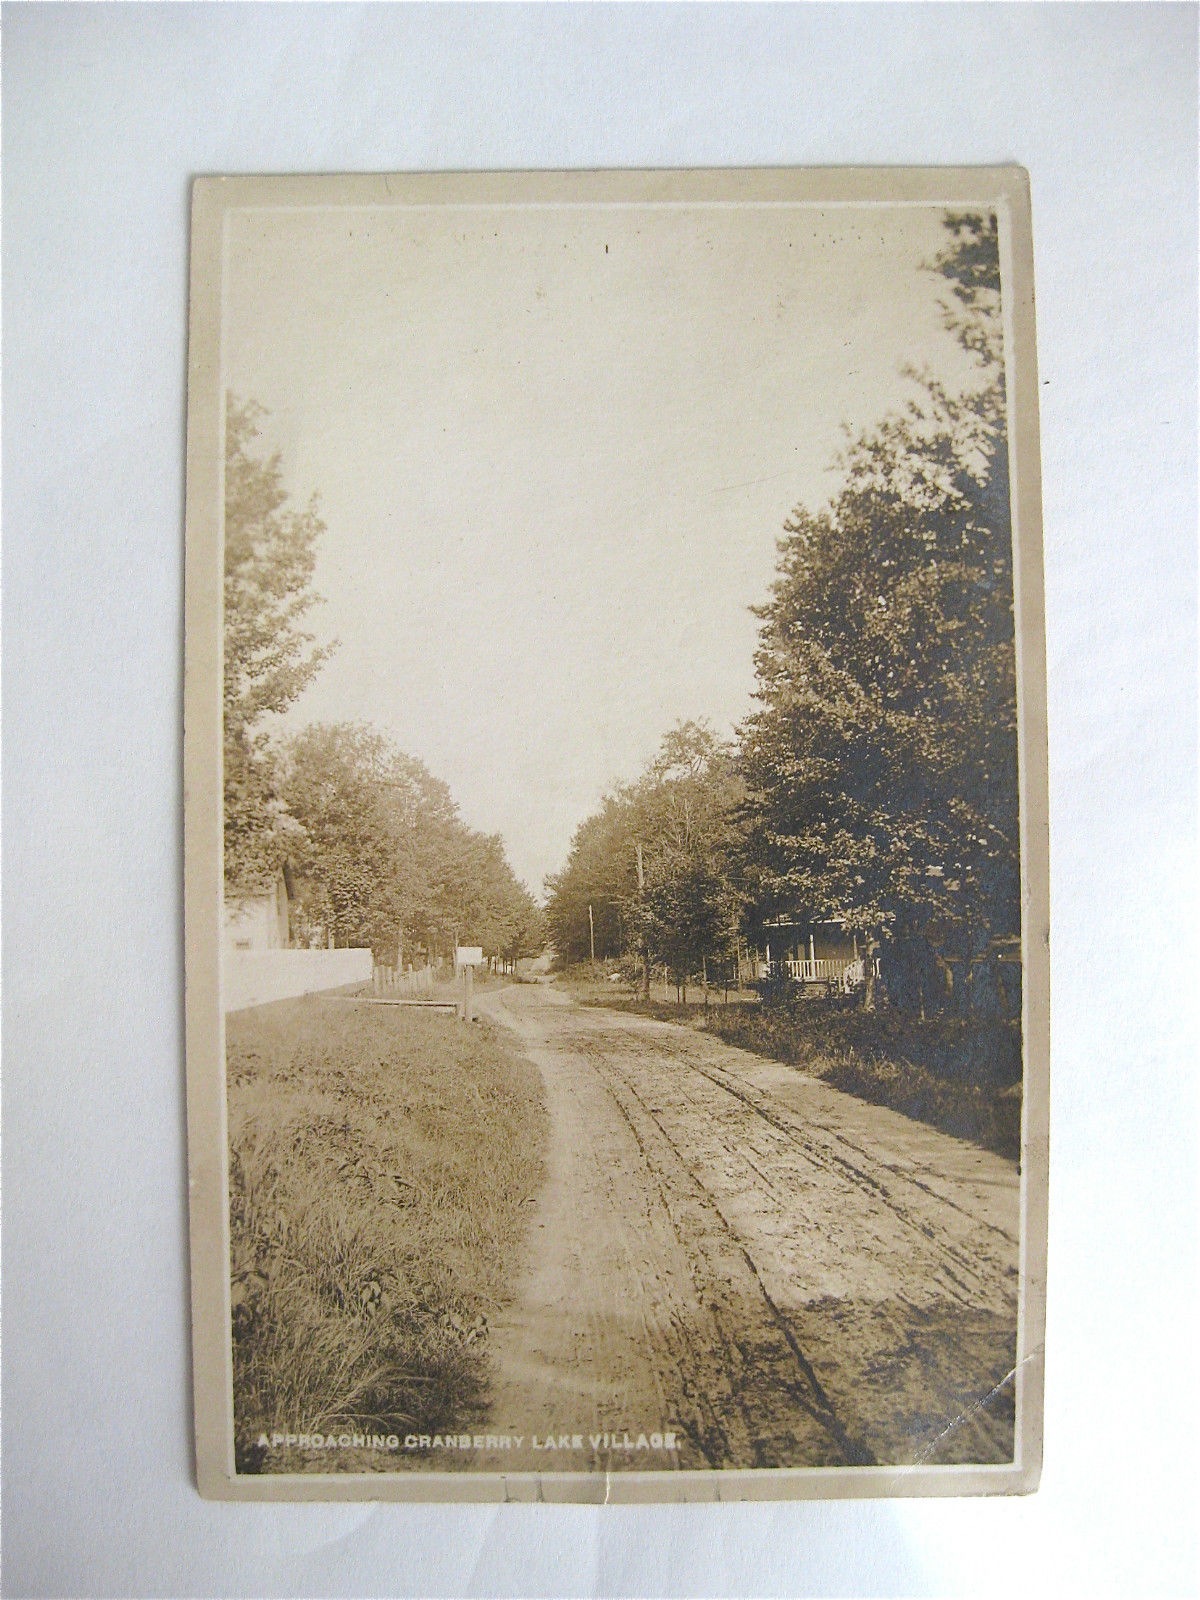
(728, 1250)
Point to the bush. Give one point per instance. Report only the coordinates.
(780, 989)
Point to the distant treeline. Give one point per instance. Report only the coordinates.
(372, 841)
(876, 781)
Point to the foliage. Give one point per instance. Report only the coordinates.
(681, 812)
(882, 757)
(601, 873)
(384, 858)
(689, 908)
(488, 905)
(970, 262)
(270, 552)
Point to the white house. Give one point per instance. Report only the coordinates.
(259, 959)
(261, 921)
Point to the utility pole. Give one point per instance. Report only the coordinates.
(592, 940)
(645, 950)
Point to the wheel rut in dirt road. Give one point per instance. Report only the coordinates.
(732, 1251)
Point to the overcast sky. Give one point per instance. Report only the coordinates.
(554, 449)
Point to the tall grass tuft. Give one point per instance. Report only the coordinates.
(381, 1163)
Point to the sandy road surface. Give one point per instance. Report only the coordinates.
(778, 1272)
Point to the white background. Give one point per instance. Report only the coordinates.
(107, 114)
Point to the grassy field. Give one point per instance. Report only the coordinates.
(382, 1161)
(961, 1075)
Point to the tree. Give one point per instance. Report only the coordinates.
(882, 759)
(600, 873)
(525, 928)
(492, 908)
(970, 262)
(364, 813)
(383, 858)
(679, 906)
(687, 910)
(270, 552)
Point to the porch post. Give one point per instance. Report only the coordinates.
(872, 944)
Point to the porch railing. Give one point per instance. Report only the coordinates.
(843, 970)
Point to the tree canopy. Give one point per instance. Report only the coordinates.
(383, 858)
(270, 553)
(882, 758)
(682, 814)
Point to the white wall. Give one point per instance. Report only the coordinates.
(254, 977)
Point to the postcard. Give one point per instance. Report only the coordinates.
(616, 836)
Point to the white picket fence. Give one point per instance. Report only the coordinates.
(406, 985)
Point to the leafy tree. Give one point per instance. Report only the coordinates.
(492, 908)
(384, 858)
(882, 758)
(687, 911)
(682, 908)
(682, 912)
(270, 552)
(970, 262)
(365, 814)
(600, 873)
(525, 927)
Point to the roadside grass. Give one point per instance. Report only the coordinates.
(381, 1164)
(614, 988)
(959, 1074)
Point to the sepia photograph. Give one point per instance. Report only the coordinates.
(616, 862)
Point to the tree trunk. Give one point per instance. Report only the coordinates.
(704, 979)
(870, 946)
(645, 975)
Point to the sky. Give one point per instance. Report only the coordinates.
(554, 448)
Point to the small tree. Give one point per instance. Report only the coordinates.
(686, 911)
(657, 862)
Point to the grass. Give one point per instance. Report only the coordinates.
(961, 1075)
(381, 1165)
(610, 986)
(954, 1073)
